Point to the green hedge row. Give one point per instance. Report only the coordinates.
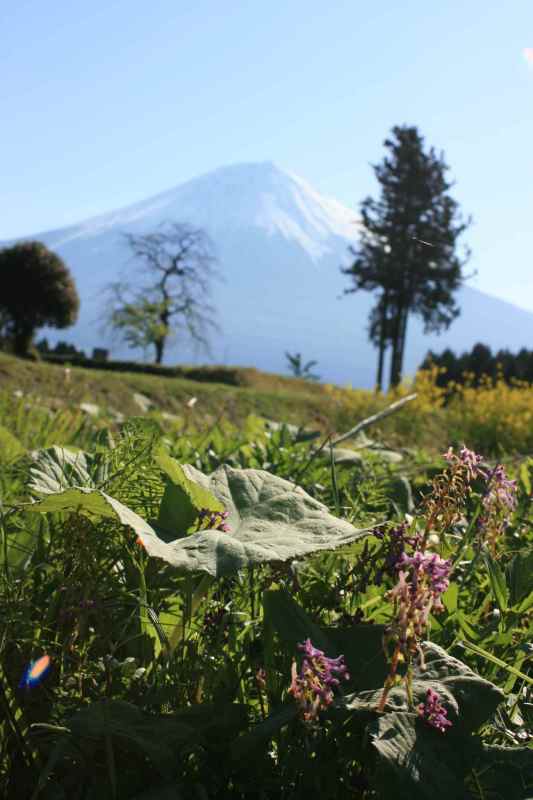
(232, 376)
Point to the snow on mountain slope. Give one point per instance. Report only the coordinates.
(280, 245)
(260, 196)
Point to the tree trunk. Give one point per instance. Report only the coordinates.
(403, 336)
(159, 345)
(382, 344)
(22, 338)
(394, 373)
(164, 320)
(379, 378)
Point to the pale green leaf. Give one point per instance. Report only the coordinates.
(270, 519)
(58, 468)
(496, 580)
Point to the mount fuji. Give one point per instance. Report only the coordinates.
(280, 245)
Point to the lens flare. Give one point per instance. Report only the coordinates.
(35, 672)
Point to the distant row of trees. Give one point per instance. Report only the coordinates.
(61, 348)
(480, 363)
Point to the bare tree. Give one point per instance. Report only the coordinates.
(178, 264)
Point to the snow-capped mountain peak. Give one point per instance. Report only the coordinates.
(230, 199)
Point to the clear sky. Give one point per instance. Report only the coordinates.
(107, 102)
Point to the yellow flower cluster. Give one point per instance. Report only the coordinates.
(492, 418)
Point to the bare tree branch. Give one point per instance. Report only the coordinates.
(178, 268)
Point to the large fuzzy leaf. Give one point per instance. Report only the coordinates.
(413, 760)
(94, 504)
(270, 519)
(57, 468)
(414, 763)
(504, 773)
(470, 699)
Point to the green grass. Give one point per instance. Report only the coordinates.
(272, 396)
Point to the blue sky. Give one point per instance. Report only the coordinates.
(105, 103)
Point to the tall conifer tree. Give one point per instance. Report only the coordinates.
(407, 249)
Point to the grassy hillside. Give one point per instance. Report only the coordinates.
(268, 395)
(494, 418)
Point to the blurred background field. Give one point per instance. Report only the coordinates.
(494, 417)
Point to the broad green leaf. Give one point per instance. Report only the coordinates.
(158, 737)
(182, 500)
(10, 447)
(58, 468)
(270, 519)
(470, 699)
(263, 731)
(290, 621)
(415, 762)
(95, 504)
(449, 598)
(520, 576)
(503, 773)
(496, 580)
(413, 759)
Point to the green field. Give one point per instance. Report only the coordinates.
(165, 568)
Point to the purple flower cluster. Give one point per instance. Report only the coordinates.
(213, 520)
(429, 568)
(497, 505)
(433, 712)
(502, 492)
(468, 460)
(313, 686)
(422, 578)
(451, 489)
(396, 540)
(444, 506)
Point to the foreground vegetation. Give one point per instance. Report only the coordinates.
(198, 626)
